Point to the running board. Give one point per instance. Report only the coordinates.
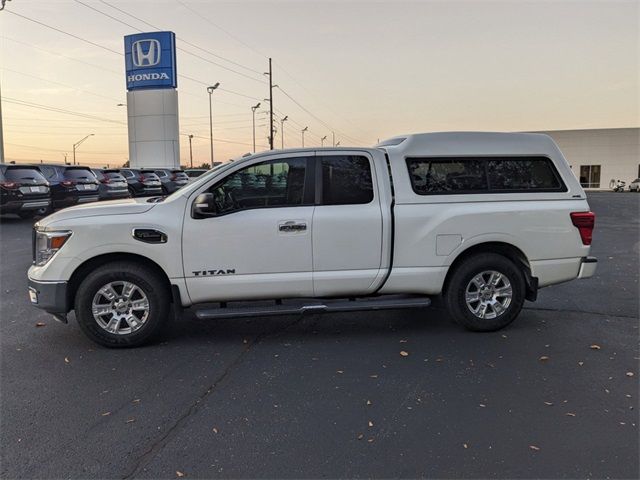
(301, 306)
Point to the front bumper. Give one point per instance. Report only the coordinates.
(49, 296)
(588, 267)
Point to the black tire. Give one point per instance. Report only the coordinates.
(147, 280)
(462, 277)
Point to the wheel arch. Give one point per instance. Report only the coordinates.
(95, 262)
(505, 249)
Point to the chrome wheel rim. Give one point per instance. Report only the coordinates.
(488, 294)
(120, 307)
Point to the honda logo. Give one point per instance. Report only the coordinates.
(145, 53)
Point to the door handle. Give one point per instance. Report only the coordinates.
(292, 226)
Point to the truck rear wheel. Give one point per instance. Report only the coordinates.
(122, 304)
(486, 292)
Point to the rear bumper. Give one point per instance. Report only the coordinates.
(24, 205)
(49, 296)
(113, 194)
(588, 267)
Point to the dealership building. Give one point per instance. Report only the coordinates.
(601, 156)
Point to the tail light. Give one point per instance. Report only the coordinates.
(105, 180)
(174, 177)
(584, 222)
(67, 183)
(141, 178)
(9, 185)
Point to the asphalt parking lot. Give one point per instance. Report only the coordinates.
(553, 396)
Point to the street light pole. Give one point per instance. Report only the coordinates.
(190, 151)
(322, 141)
(304, 130)
(253, 111)
(338, 144)
(210, 91)
(77, 144)
(282, 120)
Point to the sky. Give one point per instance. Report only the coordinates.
(360, 69)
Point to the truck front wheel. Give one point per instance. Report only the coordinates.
(486, 292)
(122, 304)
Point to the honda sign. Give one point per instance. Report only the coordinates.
(150, 60)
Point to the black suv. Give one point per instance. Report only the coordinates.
(142, 182)
(172, 179)
(23, 191)
(70, 184)
(113, 185)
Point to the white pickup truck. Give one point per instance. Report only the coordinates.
(483, 219)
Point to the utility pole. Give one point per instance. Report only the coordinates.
(190, 151)
(282, 120)
(270, 106)
(304, 130)
(333, 138)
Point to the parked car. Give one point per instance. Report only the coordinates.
(483, 219)
(23, 191)
(142, 182)
(70, 184)
(112, 184)
(635, 185)
(194, 173)
(172, 179)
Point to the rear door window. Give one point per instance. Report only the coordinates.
(346, 180)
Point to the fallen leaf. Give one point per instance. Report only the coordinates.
(106, 414)
(533, 447)
(403, 341)
(581, 363)
(131, 420)
(340, 371)
(404, 354)
(482, 405)
(215, 430)
(40, 324)
(368, 402)
(373, 376)
(543, 358)
(360, 436)
(465, 445)
(179, 473)
(66, 360)
(135, 400)
(595, 347)
(629, 374)
(370, 423)
(370, 440)
(504, 336)
(548, 403)
(570, 414)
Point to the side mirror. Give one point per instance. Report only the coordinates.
(203, 206)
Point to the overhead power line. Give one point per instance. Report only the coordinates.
(58, 110)
(181, 40)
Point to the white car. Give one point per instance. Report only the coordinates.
(485, 219)
(635, 185)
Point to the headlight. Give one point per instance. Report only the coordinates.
(46, 244)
